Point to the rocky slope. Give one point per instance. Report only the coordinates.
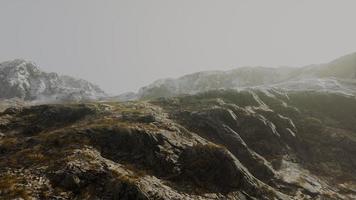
(249, 133)
(336, 76)
(225, 144)
(24, 80)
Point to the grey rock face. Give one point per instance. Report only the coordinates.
(336, 76)
(24, 80)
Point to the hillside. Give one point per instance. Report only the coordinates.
(336, 76)
(244, 134)
(223, 144)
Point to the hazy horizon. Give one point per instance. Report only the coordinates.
(123, 45)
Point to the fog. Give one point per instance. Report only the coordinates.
(123, 45)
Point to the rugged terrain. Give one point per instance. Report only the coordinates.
(248, 133)
(224, 144)
(338, 76)
(24, 80)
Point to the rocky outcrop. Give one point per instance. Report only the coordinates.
(115, 151)
(215, 145)
(24, 80)
(272, 132)
(199, 166)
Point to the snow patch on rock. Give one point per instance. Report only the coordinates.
(24, 80)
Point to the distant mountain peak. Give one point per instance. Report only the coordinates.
(336, 76)
(25, 80)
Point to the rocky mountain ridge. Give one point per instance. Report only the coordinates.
(336, 76)
(245, 134)
(24, 80)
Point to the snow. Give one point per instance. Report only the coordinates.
(266, 79)
(25, 80)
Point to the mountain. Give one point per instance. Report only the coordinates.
(227, 144)
(336, 76)
(24, 80)
(343, 68)
(244, 134)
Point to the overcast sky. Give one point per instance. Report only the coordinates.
(122, 45)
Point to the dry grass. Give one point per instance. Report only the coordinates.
(11, 189)
(8, 142)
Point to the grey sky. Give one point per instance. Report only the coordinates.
(122, 45)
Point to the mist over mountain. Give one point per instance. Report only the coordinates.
(249, 133)
(177, 100)
(336, 76)
(24, 80)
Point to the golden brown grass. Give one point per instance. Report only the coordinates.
(10, 189)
